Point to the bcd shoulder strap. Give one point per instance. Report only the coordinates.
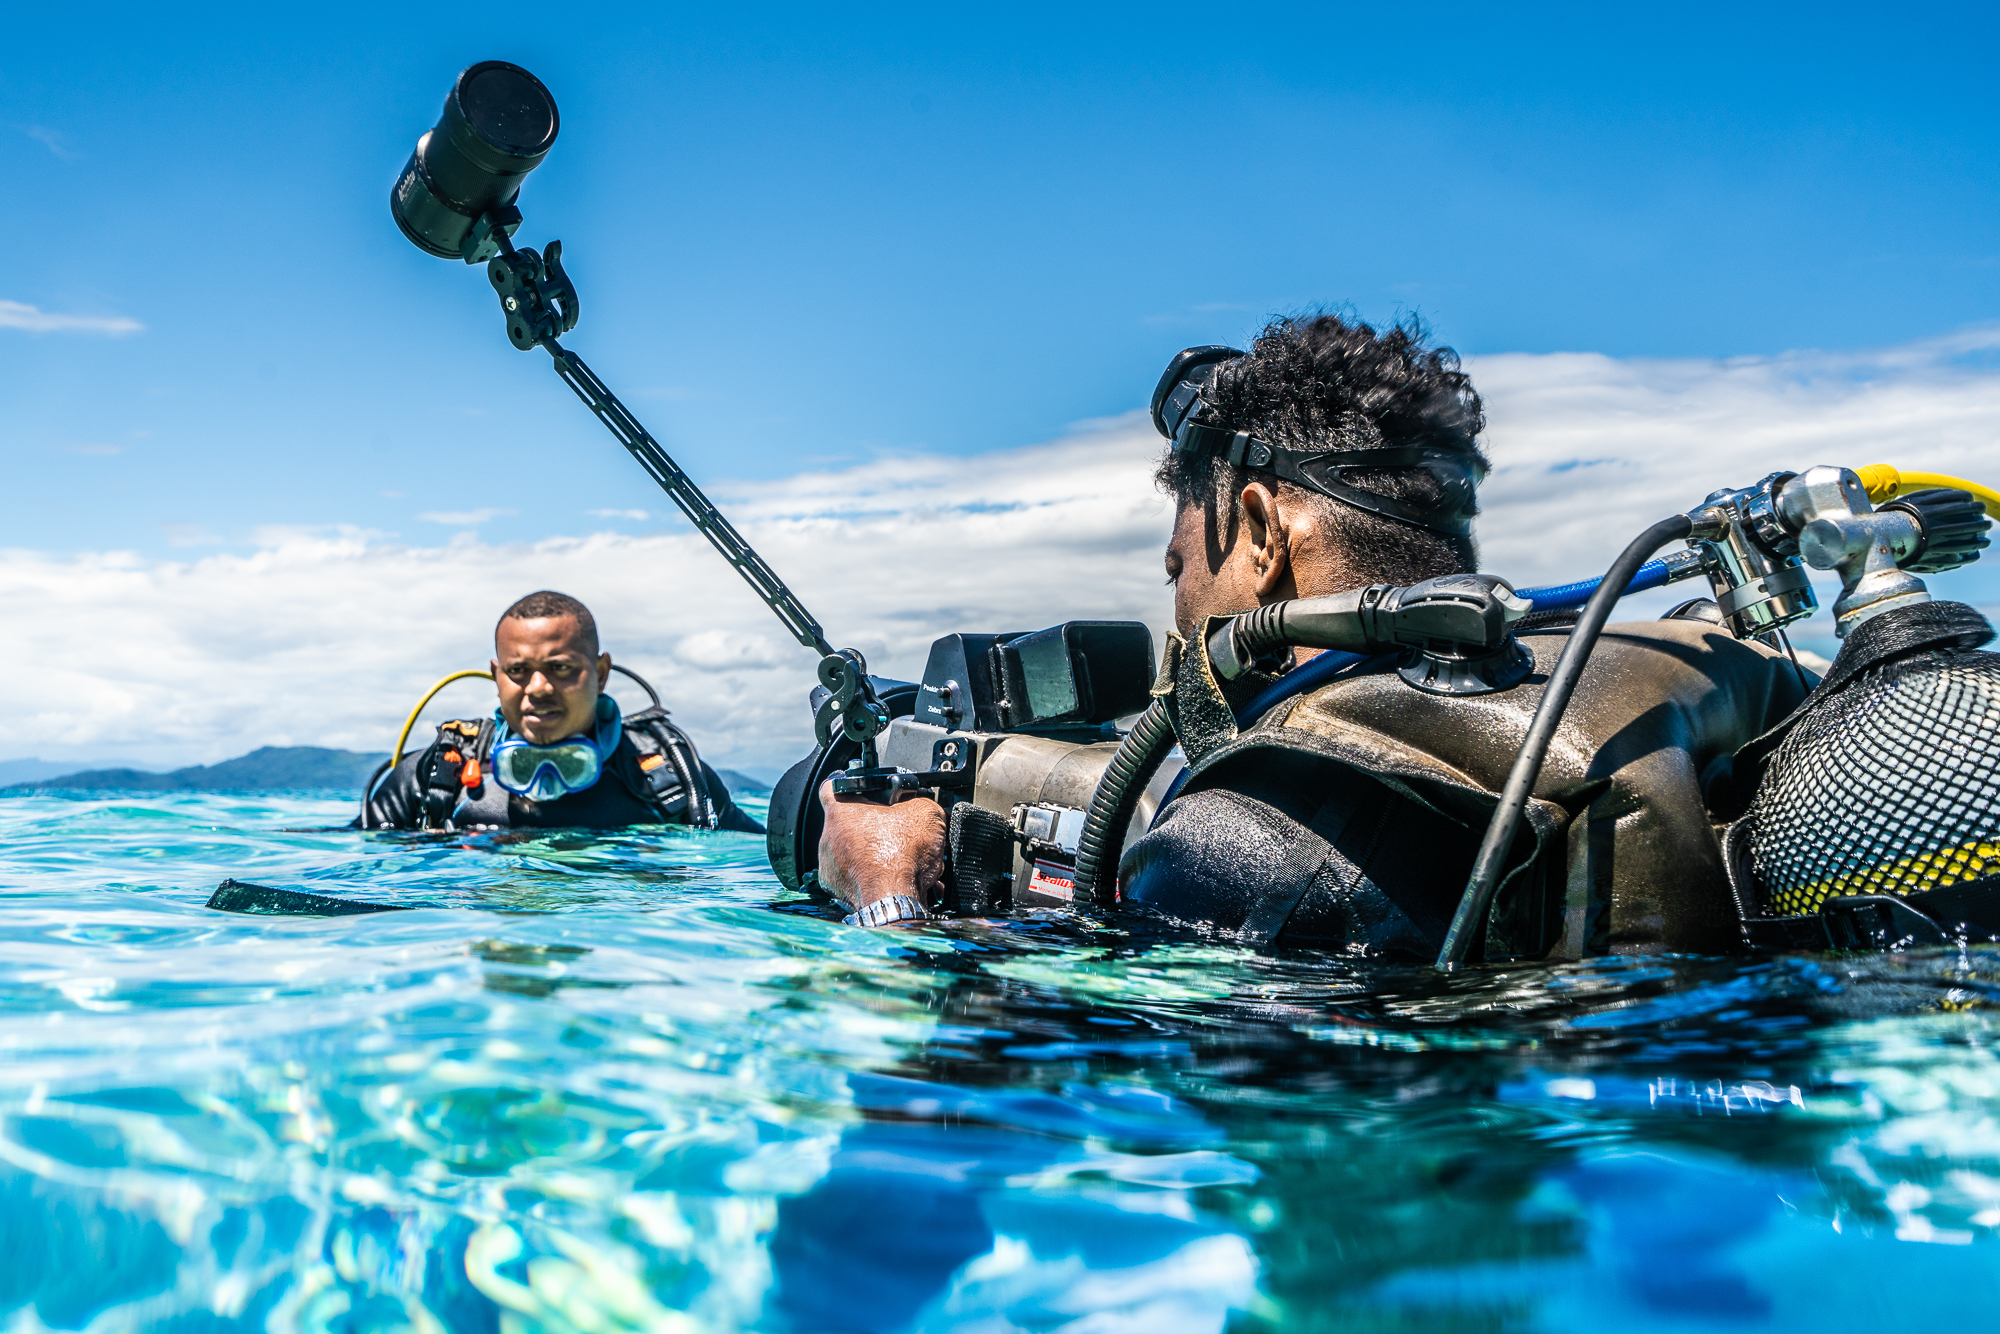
(453, 771)
(670, 774)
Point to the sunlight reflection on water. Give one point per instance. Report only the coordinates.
(626, 1082)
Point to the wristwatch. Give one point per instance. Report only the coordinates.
(887, 909)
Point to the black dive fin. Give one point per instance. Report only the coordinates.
(242, 896)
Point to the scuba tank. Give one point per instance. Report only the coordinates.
(1875, 816)
(1870, 817)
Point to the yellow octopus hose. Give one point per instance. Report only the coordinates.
(1884, 482)
(403, 737)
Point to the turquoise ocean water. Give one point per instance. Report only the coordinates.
(628, 1083)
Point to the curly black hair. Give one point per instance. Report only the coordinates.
(1325, 381)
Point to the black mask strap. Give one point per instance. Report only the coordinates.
(1325, 471)
(1177, 404)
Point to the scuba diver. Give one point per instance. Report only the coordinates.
(1324, 485)
(1329, 458)
(557, 751)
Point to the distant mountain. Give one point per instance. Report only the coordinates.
(267, 767)
(270, 767)
(36, 771)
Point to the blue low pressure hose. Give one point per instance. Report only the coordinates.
(1561, 597)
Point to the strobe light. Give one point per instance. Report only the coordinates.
(499, 122)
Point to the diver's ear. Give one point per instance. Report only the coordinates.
(1267, 529)
(603, 671)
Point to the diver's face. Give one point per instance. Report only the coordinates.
(1208, 580)
(547, 678)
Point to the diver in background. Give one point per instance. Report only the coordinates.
(556, 752)
(1348, 817)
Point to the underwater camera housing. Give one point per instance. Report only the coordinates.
(1018, 726)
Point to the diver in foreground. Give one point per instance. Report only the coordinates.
(1331, 458)
(557, 751)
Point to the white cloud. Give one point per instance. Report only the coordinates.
(325, 638)
(16, 315)
(727, 650)
(1589, 450)
(639, 515)
(463, 518)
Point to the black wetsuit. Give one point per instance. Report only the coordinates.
(642, 783)
(1348, 818)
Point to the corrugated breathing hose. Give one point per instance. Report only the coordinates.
(1103, 839)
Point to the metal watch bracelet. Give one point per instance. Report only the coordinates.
(887, 909)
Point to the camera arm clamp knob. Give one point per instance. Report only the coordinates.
(535, 293)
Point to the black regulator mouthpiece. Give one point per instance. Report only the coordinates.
(499, 122)
(1455, 634)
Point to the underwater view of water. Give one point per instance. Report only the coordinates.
(627, 1082)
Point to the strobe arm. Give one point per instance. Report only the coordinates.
(700, 511)
(852, 707)
(540, 304)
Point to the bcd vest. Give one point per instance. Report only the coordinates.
(1618, 852)
(459, 791)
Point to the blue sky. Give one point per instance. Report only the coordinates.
(811, 237)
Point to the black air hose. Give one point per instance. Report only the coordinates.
(1125, 778)
(1548, 716)
(700, 810)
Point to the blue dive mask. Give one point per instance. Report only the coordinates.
(543, 773)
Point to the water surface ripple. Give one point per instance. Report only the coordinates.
(603, 1083)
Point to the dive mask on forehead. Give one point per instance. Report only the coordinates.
(1178, 409)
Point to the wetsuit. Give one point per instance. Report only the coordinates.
(653, 777)
(1349, 817)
